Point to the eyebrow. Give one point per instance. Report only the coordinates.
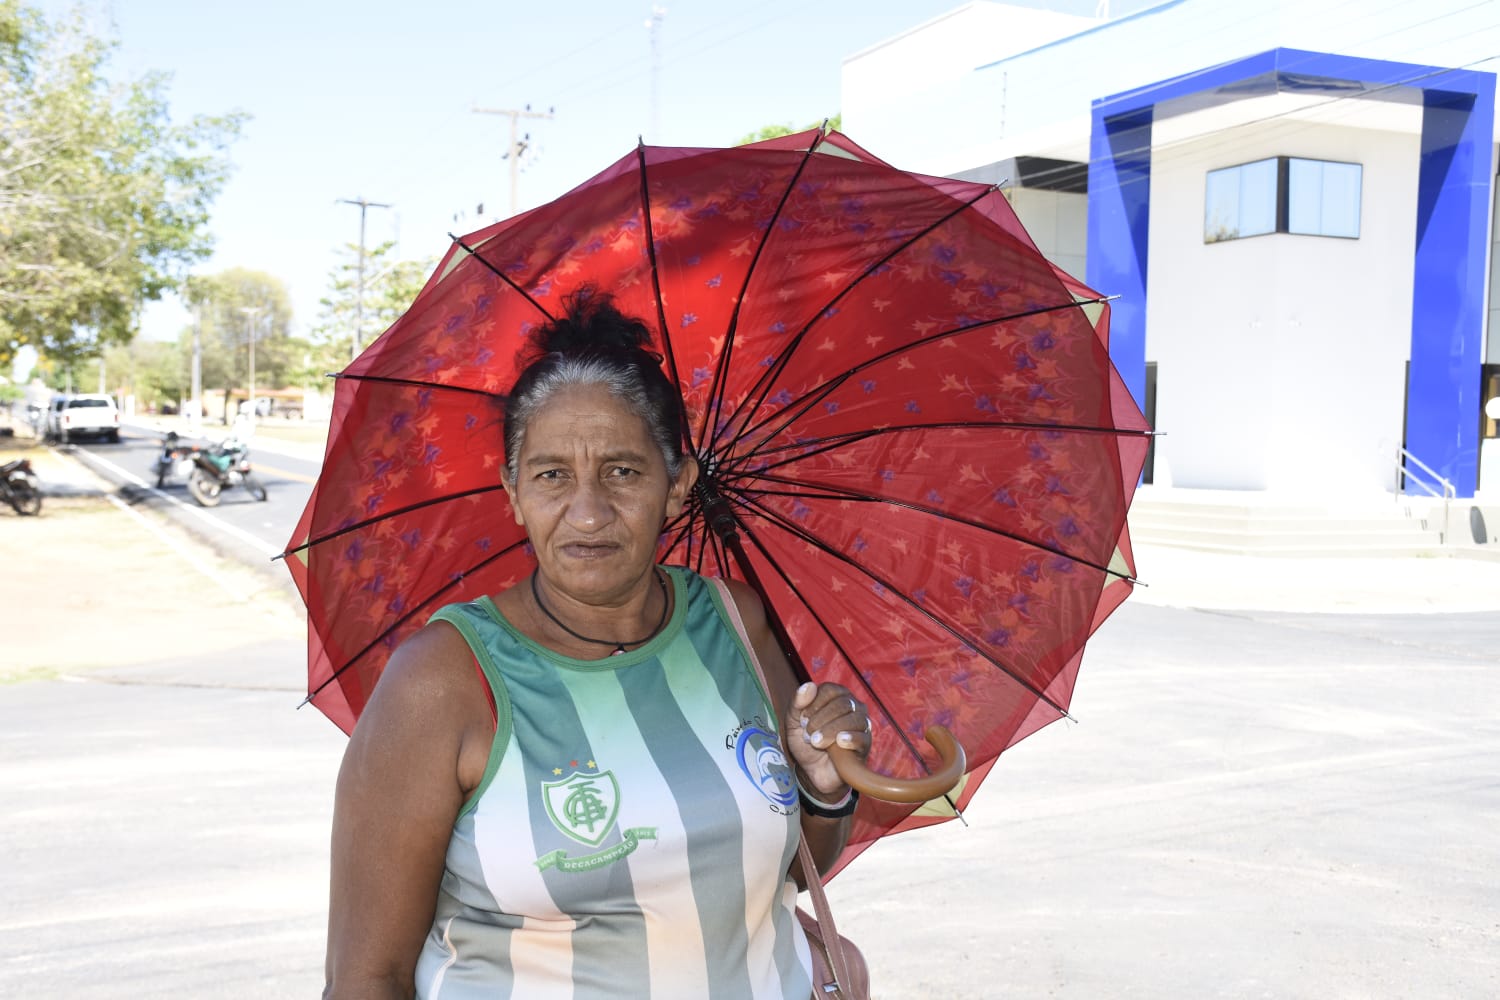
(633, 457)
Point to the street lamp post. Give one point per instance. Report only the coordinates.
(251, 312)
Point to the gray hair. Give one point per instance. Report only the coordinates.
(632, 376)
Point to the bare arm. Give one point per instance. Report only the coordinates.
(829, 709)
(399, 791)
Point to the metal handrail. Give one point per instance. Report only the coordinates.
(1405, 475)
(1403, 456)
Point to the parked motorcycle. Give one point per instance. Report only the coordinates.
(19, 486)
(175, 461)
(219, 468)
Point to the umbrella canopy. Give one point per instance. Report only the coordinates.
(908, 413)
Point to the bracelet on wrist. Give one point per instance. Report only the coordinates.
(828, 810)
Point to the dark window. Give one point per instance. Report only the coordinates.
(74, 404)
(1283, 194)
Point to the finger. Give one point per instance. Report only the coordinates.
(858, 742)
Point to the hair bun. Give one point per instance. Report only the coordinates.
(591, 322)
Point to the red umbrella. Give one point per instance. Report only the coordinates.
(903, 409)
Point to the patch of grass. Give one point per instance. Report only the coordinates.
(21, 675)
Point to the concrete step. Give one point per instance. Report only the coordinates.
(1216, 522)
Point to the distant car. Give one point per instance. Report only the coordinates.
(85, 415)
(263, 405)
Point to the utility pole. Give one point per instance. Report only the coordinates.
(359, 302)
(195, 421)
(517, 145)
(658, 14)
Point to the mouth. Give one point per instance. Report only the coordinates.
(589, 550)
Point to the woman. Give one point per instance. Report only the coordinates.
(574, 788)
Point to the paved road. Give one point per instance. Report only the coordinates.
(240, 527)
(1249, 807)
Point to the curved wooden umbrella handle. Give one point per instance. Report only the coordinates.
(942, 780)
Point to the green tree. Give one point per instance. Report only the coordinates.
(777, 131)
(155, 372)
(104, 202)
(390, 286)
(231, 306)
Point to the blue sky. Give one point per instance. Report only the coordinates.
(374, 99)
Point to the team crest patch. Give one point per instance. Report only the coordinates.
(765, 765)
(585, 807)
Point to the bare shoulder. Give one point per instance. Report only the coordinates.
(751, 608)
(778, 670)
(429, 681)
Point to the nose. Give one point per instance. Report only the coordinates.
(588, 507)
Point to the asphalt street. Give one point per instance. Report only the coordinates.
(240, 526)
(1253, 803)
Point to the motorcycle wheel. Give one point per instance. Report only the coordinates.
(204, 488)
(256, 489)
(24, 497)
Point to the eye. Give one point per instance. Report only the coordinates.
(550, 475)
(623, 472)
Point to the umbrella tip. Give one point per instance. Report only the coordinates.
(303, 703)
(957, 812)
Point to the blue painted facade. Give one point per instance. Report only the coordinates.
(1453, 205)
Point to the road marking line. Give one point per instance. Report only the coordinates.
(176, 546)
(198, 512)
(300, 477)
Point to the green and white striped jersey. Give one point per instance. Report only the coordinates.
(633, 830)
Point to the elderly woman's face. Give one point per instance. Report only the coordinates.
(592, 492)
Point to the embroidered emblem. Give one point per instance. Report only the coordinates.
(585, 806)
(765, 765)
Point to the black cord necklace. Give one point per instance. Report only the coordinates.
(619, 646)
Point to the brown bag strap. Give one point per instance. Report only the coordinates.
(810, 875)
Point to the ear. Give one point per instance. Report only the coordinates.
(681, 486)
(510, 493)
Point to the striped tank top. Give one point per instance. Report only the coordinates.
(633, 828)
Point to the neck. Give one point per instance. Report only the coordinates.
(583, 625)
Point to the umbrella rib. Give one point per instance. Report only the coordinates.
(819, 392)
(818, 446)
(417, 384)
(455, 581)
(839, 493)
(721, 380)
(969, 642)
(387, 516)
(661, 313)
(768, 378)
(502, 276)
(874, 696)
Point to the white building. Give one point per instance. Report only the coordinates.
(1294, 200)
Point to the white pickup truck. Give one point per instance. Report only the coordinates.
(86, 415)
